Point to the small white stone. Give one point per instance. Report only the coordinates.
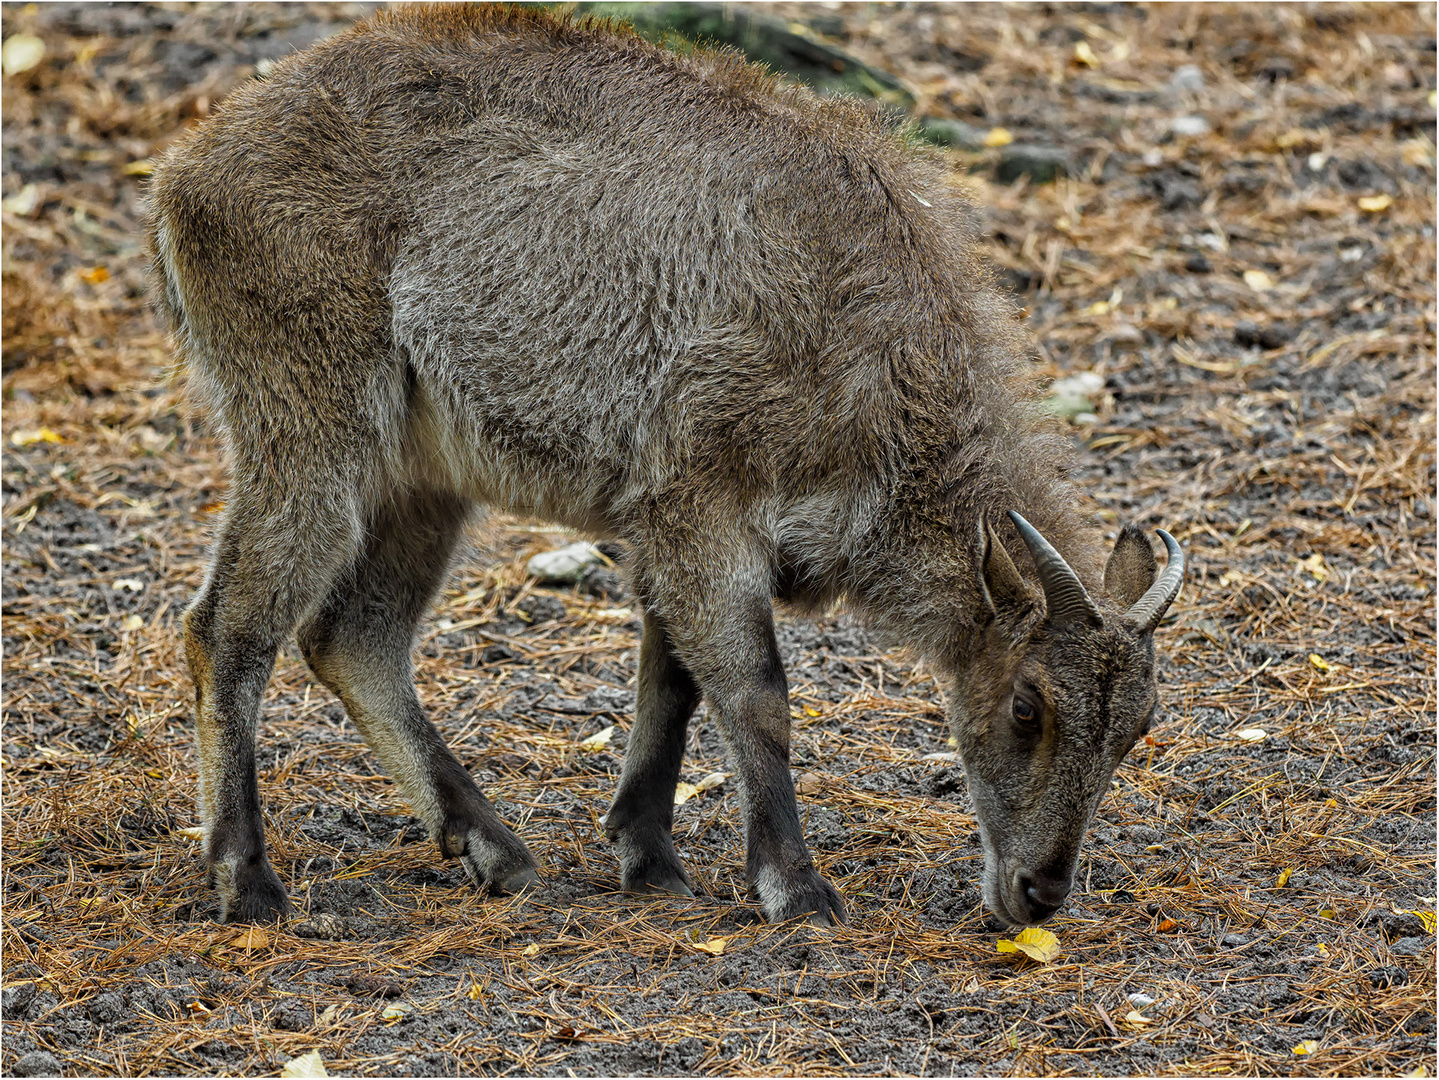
(566, 564)
(1140, 1001)
(1187, 78)
(1153, 158)
(1084, 419)
(1080, 384)
(24, 202)
(1189, 125)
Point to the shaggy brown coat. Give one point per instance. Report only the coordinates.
(464, 255)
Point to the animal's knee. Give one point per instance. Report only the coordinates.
(322, 647)
(196, 627)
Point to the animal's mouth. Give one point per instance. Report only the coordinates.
(1003, 905)
(1004, 895)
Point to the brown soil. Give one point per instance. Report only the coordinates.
(1263, 893)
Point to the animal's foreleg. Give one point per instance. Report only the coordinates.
(642, 814)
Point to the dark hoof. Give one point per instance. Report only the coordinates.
(521, 880)
(650, 866)
(801, 896)
(498, 864)
(649, 886)
(249, 894)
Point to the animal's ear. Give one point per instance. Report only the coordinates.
(999, 580)
(1131, 567)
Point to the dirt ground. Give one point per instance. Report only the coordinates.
(1258, 298)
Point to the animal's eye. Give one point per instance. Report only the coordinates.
(1026, 713)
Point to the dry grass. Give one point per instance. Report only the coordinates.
(1300, 478)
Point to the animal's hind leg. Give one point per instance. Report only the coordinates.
(358, 644)
(642, 814)
(276, 554)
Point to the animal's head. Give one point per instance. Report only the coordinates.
(1064, 687)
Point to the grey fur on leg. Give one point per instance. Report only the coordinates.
(641, 817)
(270, 556)
(359, 644)
(724, 636)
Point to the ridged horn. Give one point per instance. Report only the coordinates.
(1150, 608)
(1064, 593)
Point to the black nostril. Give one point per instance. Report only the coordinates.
(1044, 895)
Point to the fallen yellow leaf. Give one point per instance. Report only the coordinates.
(1308, 1046)
(1373, 204)
(1251, 734)
(1314, 566)
(393, 1014)
(532, 950)
(807, 784)
(27, 200)
(686, 791)
(190, 834)
(1033, 942)
(713, 946)
(997, 137)
(1327, 913)
(21, 52)
(598, 739)
(28, 438)
(1321, 948)
(132, 622)
(95, 275)
(1135, 1019)
(143, 167)
(1284, 876)
(305, 1065)
(1085, 55)
(474, 993)
(1258, 280)
(1319, 662)
(1296, 137)
(252, 938)
(1417, 152)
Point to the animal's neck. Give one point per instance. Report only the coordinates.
(918, 579)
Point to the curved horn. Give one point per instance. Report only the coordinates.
(1150, 608)
(1064, 594)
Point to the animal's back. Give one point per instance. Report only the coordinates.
(586, 260)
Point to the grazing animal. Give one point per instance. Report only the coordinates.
(482, 255)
